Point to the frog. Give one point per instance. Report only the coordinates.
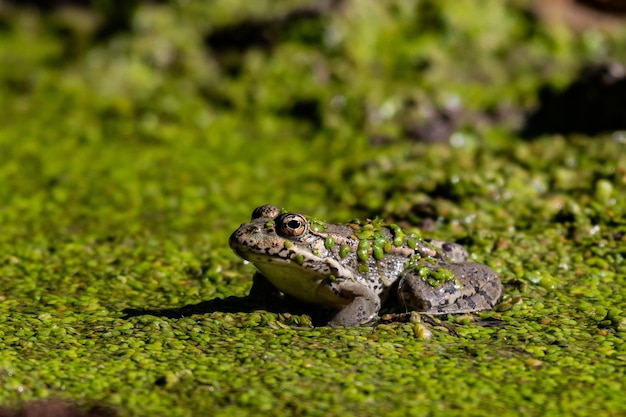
(357, 268)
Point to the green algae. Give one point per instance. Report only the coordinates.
(124, 170)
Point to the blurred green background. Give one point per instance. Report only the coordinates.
(136, 136)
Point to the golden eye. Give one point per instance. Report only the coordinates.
(292, 225)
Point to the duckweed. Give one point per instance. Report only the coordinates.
(377, 252)
(344, 250)
(126, 161)
(363, 250)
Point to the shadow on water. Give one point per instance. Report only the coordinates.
(233, 304)
(262, 296)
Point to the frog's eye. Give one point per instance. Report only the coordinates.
(292, 225)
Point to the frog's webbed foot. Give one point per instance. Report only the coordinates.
(466, 287)
(362, 308)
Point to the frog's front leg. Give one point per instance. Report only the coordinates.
(362, 304)
(465, 287)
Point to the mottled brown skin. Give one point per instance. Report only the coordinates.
(320, 263)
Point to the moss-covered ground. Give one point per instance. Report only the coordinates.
(127, 158)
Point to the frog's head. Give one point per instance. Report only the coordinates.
(285, 247)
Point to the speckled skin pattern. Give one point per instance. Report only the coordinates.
(354, 268)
